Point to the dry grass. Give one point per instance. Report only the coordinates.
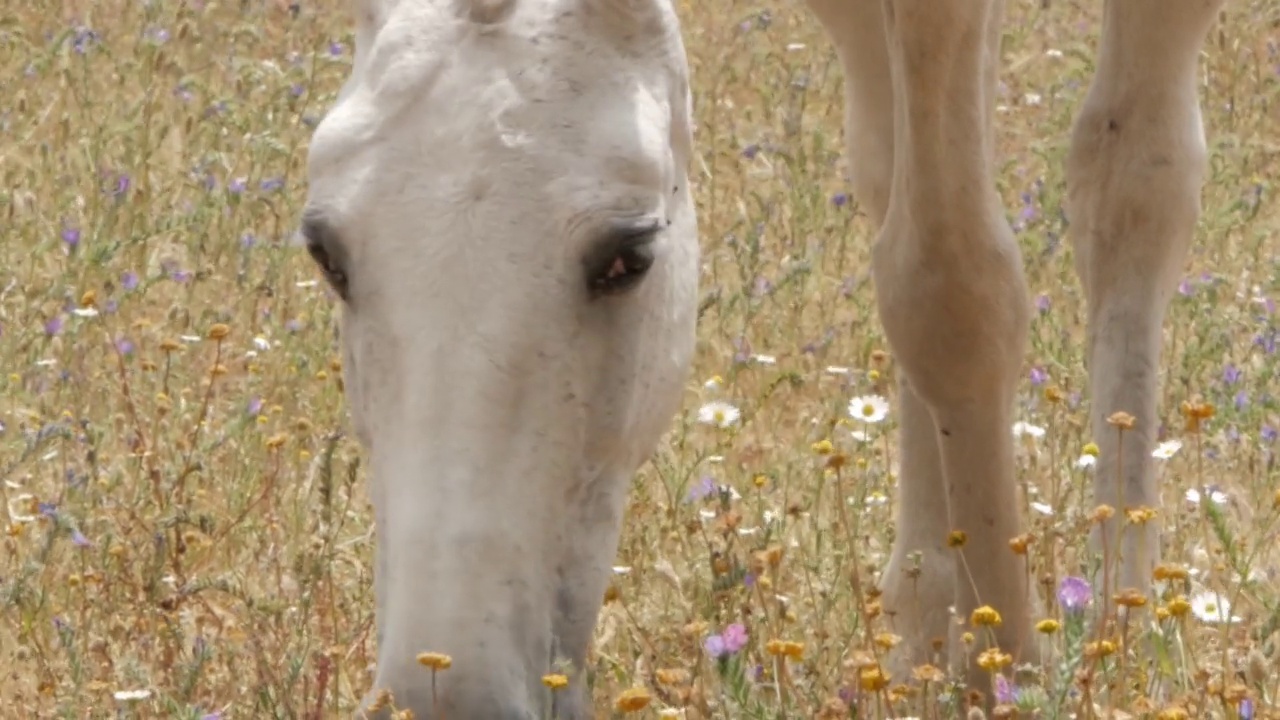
(184, 517)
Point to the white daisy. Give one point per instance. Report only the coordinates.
(869, 408)
(765, 359)
(1195, 497)
(1086, 461)
(1021, 428)
(131, 695)
(715, 382)
(86, 312)
(1166, 449)
(1042, 508)
(718, 413)
(859, 435)
(836, 370)
(1212, 608)
(621, 569)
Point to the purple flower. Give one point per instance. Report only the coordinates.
(123, 183)
(248, 240)
(79, 539)
(1231, 374)
(237, 186)
(705, 488)
(749, 152)
(1038, 376)
(53, 326)
(1074, 594)
(293, 326)
(254, 407)
(714, 646)
(71, 236)
(124, 346)
(1042, 303)
(1246, 709)
(1006, 693)
(336, 49)
(129, 280)
(735, 637)
(840, 199)
(271, 185)
(83, 39)
(1268, 433)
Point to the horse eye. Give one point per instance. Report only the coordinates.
(334, 274)
(326, 251)
(618, 263)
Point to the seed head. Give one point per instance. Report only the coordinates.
(219, 331)
(1122, 420)
(957, 539)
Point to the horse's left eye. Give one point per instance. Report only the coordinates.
(618, 263)
(327, 251)
(334, 273)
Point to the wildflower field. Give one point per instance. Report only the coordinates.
(187, 532)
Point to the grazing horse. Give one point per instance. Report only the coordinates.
(500, 197)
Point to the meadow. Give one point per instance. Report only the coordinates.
(187, 532)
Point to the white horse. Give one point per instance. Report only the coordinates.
(501, 198)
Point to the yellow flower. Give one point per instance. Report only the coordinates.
(1102, 513)
(822, 447)
(986, 615)
(672, 676)
(785, 648)
(992, 659)
(435, 660)
(1168, 571)
(887, 640)
(1021, 543)
(1048, 626)
(1130, 598)
(1140, 515)
(1091, 448)
(957, 538)
(555, 681)
(631, 700)
(872, 679)
(1179, 606)
(1099, 648)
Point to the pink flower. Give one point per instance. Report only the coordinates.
(735, 638)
